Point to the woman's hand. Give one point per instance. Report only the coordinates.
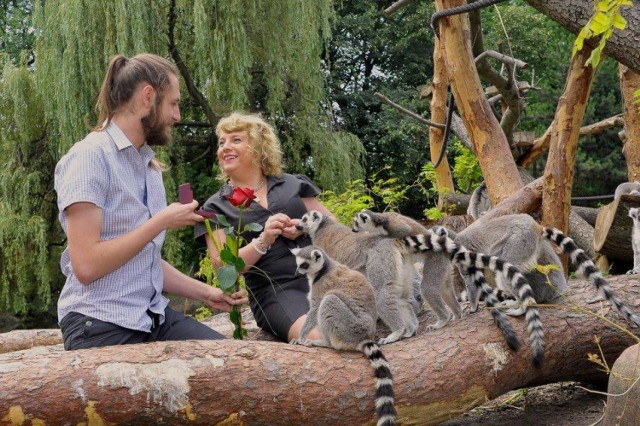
(217, 299)
(273, 227)
(290, 230)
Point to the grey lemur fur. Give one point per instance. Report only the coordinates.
(343, 306)
(438, 294)
(380, 259)
(630, 188)
(435, 241)
(634, 213)
(479, 203)
(520, 240)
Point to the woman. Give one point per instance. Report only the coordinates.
(249, 156)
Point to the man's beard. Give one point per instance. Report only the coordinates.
(155, 130)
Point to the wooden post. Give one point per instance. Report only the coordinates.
(629, 83)
(444, 180)
(558, 175)
(491, 146)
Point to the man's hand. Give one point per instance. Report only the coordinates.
(217, 299)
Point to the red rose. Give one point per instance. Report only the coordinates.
(241, 197)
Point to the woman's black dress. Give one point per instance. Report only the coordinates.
(277, 295)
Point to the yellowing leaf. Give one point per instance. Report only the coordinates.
(600, 23)
(619, 22)
(546, 269)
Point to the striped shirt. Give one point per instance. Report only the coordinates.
(105, 169)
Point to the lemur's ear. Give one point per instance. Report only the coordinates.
(317, 255)
(295, 251)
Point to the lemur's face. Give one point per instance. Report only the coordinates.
(361, 222)
(310, 222)
(441, 231)
(634, 214)
(309, 260)
(365, 222)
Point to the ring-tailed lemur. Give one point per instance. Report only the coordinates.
(630, 188)
(437, 240)
(634, 213)
(343, 306)
(438, 294)
(380, 259)
(520, 240)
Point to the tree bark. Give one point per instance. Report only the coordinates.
(629, 83)
(613, 229)
(573, 16)
(444, 180)
(558, 174)
(437, 375)
(17, 340)
(491, 146)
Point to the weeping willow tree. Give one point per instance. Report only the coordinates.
(240, 55)
(28, 230)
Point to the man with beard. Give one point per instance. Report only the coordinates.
(114, 212)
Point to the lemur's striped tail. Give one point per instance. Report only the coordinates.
(460, 255)
(587, 270)
(491, 301)
(384, 383)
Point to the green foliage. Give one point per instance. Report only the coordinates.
(466, 170)
(607, 17)
(636, 98)
(346, 204)
(370, 53)
(17, 37)
(381, 194)
(254, 56)
(27, 211)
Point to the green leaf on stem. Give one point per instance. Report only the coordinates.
(254, 227)
(227, 277)
(222, 220)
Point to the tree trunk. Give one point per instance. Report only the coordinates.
(437, 375)
(573, 16)
(613, 229)
(558, 174)
(629, 83)
(491, 146)
(444, 180)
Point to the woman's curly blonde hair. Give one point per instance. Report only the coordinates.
(263, 141)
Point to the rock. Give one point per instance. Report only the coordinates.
(624, 390)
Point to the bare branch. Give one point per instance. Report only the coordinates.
(184, 71)
(541, 144)
(502, 58)
(407, 112)
(397, 5)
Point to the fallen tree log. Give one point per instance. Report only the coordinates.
(17, 340)
(437, 375)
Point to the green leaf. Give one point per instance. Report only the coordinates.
(229, 231)
(239, 263)
(222, 220)
(227, 276)
(232, 243)
(227, 256)
(254, 227)
(594, 59)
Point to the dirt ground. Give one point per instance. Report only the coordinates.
(559, 404)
